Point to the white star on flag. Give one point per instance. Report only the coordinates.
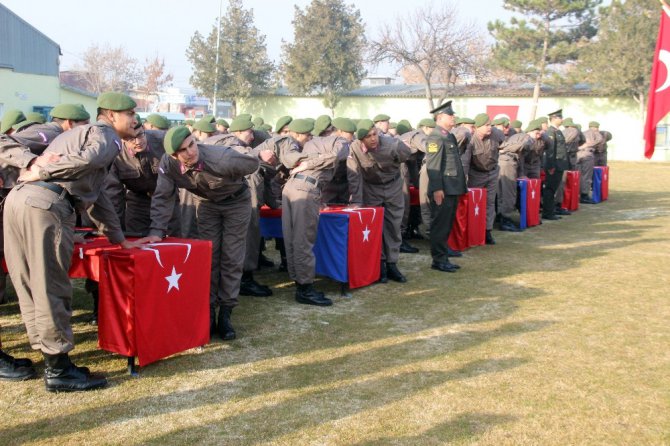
(532, 194)
(366, 234)
(605, 177)
(173, 280)
(476, 209)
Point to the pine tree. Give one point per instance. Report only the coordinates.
(244, 67)
(552, 35)
(326, 56)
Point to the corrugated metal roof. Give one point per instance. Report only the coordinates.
(24, 48)
(78, 91)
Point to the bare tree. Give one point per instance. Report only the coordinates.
(432, 44)
(108, 69)
(155, 78)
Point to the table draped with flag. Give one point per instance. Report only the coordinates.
(529, 201)
(348, 242)
(414, 196)
(469, 228)
(600, 183)
(571, 191)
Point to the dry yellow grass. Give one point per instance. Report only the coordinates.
(558, 335)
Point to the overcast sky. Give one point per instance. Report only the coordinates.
(146, 28)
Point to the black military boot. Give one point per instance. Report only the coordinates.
(560, 211)
(306, 294)
(383, 278)
(15, 369)
(212, 321)
(60, 375)
(508, 225)
(406, 248)
(249, 287)
(585, 199)
(92, 287)
(489, 238)
(226, 330)
(453, 252)
(279, 246)
(394, 273)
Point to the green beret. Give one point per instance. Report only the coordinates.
(189, 122)
(36, 117)
(282, 122)
(579, 127)
(240, 124)
(209, 118)
(567, 122)
(258, 121)
(427, 122)
(10, 118)
(364, 127)
(266, 127)
(543, 120)
(74, 112)
(222, 122)
(115, 101)
(393, 125)
(534, 125)
(516, 124)
(382, 117)
(321, 124)
(406, 123)
(402, 128)
(594, 124)
(158, 121)
(482, 119)
(500, 121)
(204, 126)
(174, 138)
(301, 126)
(311, 120)
(465, 121)
(246, 116)
(139, 121)
(345, 125)
(22, 124)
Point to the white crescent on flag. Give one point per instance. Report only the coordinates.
(150, 247)
(664, 57)
(360, 217)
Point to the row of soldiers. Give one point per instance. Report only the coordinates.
(210, 179)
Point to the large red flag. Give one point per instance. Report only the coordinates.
(659, 90)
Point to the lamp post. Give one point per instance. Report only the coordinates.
(216, 63)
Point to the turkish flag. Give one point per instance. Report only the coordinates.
(659, 90)
(600, 183)
(366, 226)
(477, 216)
(498, 111)
(154, 300)
(458, 237)
(571, 191)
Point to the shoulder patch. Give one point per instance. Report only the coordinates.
(432, 147)
(118, 144)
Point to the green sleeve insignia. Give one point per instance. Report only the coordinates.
(432, 147)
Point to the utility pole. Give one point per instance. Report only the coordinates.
(216, 63)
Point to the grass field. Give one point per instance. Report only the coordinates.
(557, 335)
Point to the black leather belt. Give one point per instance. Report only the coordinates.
(235, 194)
(55, 188)
(307, 178)
(395, 178)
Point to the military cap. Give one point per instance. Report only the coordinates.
(139, 121)
(204, 126)
(240, 124)
(402, 128)
(567, 122)
(427, 122)
(266, 127)
(443, 108)
(222, 122)
(382, 117)
(36, 117)
(500, 121)
(579, 127)
(301, 126)
(209, 118)
(174, 138)
(244, 115)
(282, 122)
(393, 125)
(516, 124)
(482, 119)
(22, 124)
(74, 112)
(363, 128)
(311, 120)
(594, 124)
(321, 124)
(405, 122)
(543, 120)
(189, 122)
(345, 125)
(115, 101)
(534, 125)
(258, 121)
(10, 118)
(158, 121)
(465, 121)
(557, 114)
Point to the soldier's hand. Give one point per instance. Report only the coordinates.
(46, 159)
(438, 196)
(149, 239)
(32, 174)
(298, 169)
(268, 156)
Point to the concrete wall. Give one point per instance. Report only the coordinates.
(618, 115)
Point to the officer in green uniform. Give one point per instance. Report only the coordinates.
(554, 163)
(39, 230)
(446, 182)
